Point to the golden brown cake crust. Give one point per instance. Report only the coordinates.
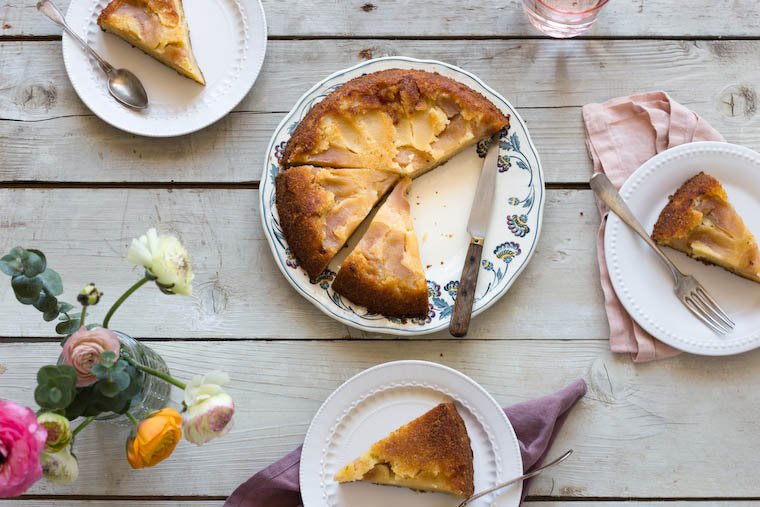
(383, 299)
(298, 206)
(165, 9)
(678, 216)
(395, 91)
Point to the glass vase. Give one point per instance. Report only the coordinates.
(155, 393)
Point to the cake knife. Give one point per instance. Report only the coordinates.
(480, 215)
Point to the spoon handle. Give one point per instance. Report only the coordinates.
(517, 479)
(50, 10)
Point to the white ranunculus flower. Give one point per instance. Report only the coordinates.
(165, 258)
(209, 409)
(60, 467)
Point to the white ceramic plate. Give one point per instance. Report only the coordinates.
(441, 201)
(229, 40)
(643, 283)
(377, 401)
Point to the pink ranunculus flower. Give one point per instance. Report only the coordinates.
(22, 440)
(82, 351)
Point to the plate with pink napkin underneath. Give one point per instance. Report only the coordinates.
(381, 399)
(643, 283)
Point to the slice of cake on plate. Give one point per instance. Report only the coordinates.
(158, 27)
(431, 453)
(700, 222)
(384, 272)
(400, 120)
(321, 208)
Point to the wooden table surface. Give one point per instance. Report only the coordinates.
(672, 433)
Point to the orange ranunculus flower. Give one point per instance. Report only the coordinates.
(156, 438)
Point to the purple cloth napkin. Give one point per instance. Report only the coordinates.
(536, 423)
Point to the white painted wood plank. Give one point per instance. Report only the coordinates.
(676, 428)
(491, 18)
(62, 141)
(239, 292)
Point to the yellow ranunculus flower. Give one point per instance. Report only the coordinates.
(166, 259)
(156, 438)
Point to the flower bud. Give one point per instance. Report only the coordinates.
(209, 408)
(58, 431)
(60, 467)
(89, 296)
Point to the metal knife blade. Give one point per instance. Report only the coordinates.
(480, 213)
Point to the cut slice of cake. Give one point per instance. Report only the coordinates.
(401, 120)
(321, 208)
(384, 271)
(431, 453)
(158, 27)
(699, 221)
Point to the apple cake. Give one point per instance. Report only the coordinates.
(431, 453)
(404, 121)
(346, 154)
(700, 222)
(320, 209)
(384, 272)
(158, 27)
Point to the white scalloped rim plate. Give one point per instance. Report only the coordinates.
(642, 282)
(229, 40)
(440, 201)
(377, 401)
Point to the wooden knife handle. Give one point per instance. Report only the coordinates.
(460, 318)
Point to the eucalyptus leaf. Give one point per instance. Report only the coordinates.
(108, 359)
(46, 303)
(108, 388)
(50, 315)
(67, 327)
(35, 263)
(121, 379)
(27, 289)
(64, 307)
(10, 267)
(51, 282)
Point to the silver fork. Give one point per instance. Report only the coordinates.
(688, 290)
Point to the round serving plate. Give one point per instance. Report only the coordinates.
(229, 40)
(440, 202)
(377, 401)
(641, 280)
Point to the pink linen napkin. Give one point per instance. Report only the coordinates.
(536, 423)
(622, 134)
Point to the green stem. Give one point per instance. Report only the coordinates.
(154, 372)
(83, 425)
(82, 316)
(123, 298)
(132, 418)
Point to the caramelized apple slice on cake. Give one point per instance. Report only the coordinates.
(431, 453)
(158, 27)
(384, 271)
(700, 222)
(321, 208)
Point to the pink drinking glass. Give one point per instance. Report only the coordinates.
(563, 18)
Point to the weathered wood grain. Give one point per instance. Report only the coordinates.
(239, 292)
(58, 139)
(682, 424)
(485, 18)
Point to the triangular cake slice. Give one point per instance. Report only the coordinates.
(699, 221)
(405, 121)
(431, 453)
(158, 27)
(384, 272)
(320, 208)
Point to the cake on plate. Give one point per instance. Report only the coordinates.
(384, 272)
(346, 154)
(320, 208)
(158, 27)
(431, 453)
(700, 222)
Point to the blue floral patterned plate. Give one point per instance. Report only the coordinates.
(440, 201)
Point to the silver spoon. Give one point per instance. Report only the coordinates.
(124, 86)
(517, 479)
